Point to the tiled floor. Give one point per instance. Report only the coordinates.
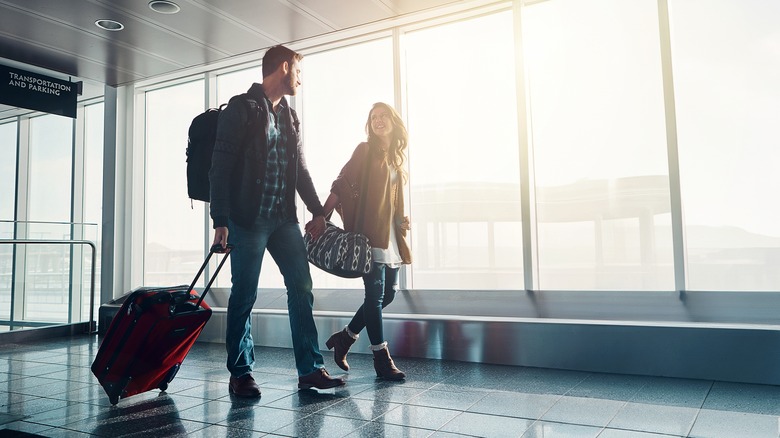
(47, 389)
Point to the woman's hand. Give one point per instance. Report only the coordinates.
(405, 224)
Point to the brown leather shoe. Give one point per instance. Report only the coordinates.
(244, 386)
(319, 379)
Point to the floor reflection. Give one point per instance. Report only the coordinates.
(46, 389)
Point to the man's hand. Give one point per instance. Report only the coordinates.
(220, 237)
(316, 227)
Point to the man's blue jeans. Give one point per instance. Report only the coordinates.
(381, 285)
(284, 241)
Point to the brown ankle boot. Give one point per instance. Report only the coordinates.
(340, 342)
(384, 366)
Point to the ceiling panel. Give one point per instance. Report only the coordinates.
(113, 51)
(357, 13)
(409, 6)
(202, 25)
(280, 20)
(61, 37)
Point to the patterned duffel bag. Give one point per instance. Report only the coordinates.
(342, 253)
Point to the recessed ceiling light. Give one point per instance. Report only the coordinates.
(109, 25)
(164, 6)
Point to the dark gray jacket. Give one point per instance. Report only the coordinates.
(238, 167)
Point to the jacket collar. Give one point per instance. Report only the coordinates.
(256, 91)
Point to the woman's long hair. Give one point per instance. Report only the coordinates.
(396, 152)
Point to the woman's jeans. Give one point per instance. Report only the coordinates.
(381, 285)
(284, 241)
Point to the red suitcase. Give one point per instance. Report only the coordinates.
(149, 338)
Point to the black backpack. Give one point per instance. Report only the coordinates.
(200, 145)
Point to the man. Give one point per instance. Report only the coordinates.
(257, 167)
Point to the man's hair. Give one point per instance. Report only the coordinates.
(276, 56)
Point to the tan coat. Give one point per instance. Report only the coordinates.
(372, 199)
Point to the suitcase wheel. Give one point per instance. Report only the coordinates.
(114, 399)
(169, 377)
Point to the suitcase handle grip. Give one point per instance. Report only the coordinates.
(215, 249)
(218, 249)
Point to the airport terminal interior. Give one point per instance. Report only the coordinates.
(592, 193)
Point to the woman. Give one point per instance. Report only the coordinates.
(368, 194)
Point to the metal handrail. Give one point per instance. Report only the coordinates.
(92, 327)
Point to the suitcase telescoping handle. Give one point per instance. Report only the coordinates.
(215, 249)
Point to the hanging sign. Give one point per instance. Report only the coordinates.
(38, 92)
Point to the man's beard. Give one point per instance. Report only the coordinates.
(291, 88)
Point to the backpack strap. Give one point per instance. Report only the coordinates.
(253, 108)
(254, 112)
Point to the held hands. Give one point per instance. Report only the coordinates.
(316, 227)
(405, 224)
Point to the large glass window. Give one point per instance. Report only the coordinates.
(237, 82)
(600, 201)
(51, 280)
(51, 152)
(93, 194)
(8, 180)
(47, 285)
(93, 164)
(339, 88)
(7, 169)
(728, 100)
(174, 226)
(463, 154)
(599, 145)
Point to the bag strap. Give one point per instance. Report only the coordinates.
(253, 107)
